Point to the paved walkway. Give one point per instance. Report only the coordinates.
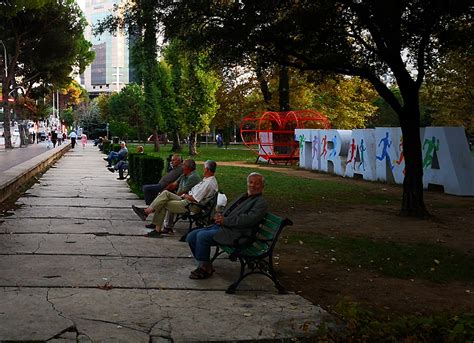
(76, 267)
(12, 157)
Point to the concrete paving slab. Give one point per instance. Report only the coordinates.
(79, 202)
(87, 244)
(142, 315)
(66, 180)
(71, 226)
(135, 272)
(94, 189)
(67, 212)
(105, 194)
(38, 320)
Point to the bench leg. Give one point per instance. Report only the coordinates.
(190, 228)
(231, 289)
(258, 266)
(216, 254)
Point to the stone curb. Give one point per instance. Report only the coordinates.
(13, 179)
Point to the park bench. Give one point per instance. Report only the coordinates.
(256, 255)
(199, 218)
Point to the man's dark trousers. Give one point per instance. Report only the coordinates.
(150, 192)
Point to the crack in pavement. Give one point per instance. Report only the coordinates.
(133, 265)
(167, 329)
(60, 313)
(39, 245)
(113, 246)
(113, 323)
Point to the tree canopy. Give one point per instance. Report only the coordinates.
(379, 41)
(45, 44)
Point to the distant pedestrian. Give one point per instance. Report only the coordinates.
(48, 141)
(219, 141)
(73, 137)
(84, 141)
(60, 137)
(54, 138)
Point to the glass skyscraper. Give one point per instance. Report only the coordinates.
(110, 71)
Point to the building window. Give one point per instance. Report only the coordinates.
(98, 67)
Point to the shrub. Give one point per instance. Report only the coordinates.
(106, 147)
(133, 165)
(150, 170)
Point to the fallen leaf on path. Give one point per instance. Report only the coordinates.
(106, 286)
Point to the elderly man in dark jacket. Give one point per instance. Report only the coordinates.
(234, 226)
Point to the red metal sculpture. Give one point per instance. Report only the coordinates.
(271, 135)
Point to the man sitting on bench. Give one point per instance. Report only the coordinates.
(167, 201)
(234, 226)
(122, 165)
(117, 155)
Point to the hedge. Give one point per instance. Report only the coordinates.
(144, 169)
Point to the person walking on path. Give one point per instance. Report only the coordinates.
(73, 137)
(54, 137)
(84, 141)
(60, 137)
(234, 226)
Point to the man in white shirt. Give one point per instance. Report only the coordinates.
(167, 201)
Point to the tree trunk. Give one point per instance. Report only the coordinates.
(156, 141)
(267, 95)
(412, 203)
(176, 143)
(284, 89)
(6, 115)
(192, 144)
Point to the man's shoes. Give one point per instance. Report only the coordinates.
(111, 169)
(140, 212)
(153, 234)
(167, 231)
(105, 159)
(121, 178)
(108, 165)
(150, 226)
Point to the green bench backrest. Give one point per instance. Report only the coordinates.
(266, 235)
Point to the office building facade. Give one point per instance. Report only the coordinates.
(110, 70)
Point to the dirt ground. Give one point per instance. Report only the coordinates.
(317, 278)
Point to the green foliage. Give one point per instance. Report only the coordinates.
(54, 31)
(363, 325)
(420, 261)
(133, 165)
(89, 118)
(200, 84)
(106, 147)
(103, 105)
(125, 111)
(67, 117)
(151, 169)
(447, 93)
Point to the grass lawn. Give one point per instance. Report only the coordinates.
(238, 152)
